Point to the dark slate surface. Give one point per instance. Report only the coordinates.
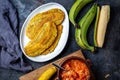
(105, 61)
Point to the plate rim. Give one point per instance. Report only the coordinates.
(28, 17)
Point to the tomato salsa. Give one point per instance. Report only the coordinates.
(75, 70)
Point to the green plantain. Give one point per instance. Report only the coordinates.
(77, 6)
(85, 23)
(81, 33)
(78, 38)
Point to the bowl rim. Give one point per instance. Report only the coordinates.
(74, 57)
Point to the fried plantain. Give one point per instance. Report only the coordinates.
(53, 46)
(32, 34)
(56, 15)
(43, 41)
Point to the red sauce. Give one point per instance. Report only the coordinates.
(76, 70)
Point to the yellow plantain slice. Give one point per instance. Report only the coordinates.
(43, 41)
(33, 27)
(53, 46)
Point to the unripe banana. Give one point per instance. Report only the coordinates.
(85, 23)
(77, 6)
(78, 38)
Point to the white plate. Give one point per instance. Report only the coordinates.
(64, 36)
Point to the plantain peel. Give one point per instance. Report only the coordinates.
(43, 41)
(51, 48)
(34, 26)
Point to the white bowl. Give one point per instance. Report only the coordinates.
(64, 36)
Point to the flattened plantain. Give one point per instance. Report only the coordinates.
(32, 34)
(43, 41)
(56, 15)
(53, 46)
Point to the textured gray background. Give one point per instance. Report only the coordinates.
(105, 61)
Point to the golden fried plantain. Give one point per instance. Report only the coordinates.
(33, 27)
(32, 34)
(57, 17)
(53, 46)
(44, 40)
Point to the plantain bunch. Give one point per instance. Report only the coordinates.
(102, 18)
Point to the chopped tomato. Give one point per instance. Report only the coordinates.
(75, 70)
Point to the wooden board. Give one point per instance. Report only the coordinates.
(36, 73)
